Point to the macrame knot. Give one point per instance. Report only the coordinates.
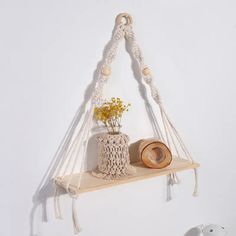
(98, 90)
(156, 96)
(77, 228)
(137, 53)
(129, 34)
(95, 99)
(103, 79)
(148, 80)
(111, 54)
(120, 32)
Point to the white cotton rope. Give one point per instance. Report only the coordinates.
(172, 139)
(157, 128)
(77, 228)
(86, 132)
(74, 146)
(71, 149)
(78, 145)
(166, 122)
(85, 147)
(62, 150)
(64, 145)
(57, 207)
(138, 55)
(165, 128)
(195, 192)
(188, 155)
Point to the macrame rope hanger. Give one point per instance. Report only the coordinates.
(73, 149)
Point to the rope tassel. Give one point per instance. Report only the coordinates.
(77, 228)
(57, 207)
(169, 195)
(195, 192)
(176, 179)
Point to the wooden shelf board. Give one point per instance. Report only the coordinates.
(91, 183)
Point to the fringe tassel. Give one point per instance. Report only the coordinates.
(57, 207)
(77, 228)
(195, 192)
(172, 179)
(175, 179)
(169, 180)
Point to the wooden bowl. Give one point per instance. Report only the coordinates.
(155, 154)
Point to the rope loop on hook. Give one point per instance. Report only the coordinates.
(124, 18)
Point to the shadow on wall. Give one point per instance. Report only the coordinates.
(45, 189)
(193, 232)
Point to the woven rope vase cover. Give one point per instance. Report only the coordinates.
(113, 156)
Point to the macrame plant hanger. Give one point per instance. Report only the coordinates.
(72, 151)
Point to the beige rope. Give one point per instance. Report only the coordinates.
(78, 145)
(172, 139)
(138, 55)
(168, 126)
(77, 228)
(195, 192)
(74, 145)
(85, 148)
(71, 149)
(57, 208)
(64, 145)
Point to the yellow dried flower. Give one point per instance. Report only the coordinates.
(110, 113)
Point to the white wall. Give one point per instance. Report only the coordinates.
(49, 51)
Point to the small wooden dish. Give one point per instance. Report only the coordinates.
(155, 154)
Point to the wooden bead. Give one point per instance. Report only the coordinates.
(106, 71)
(146, 71)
